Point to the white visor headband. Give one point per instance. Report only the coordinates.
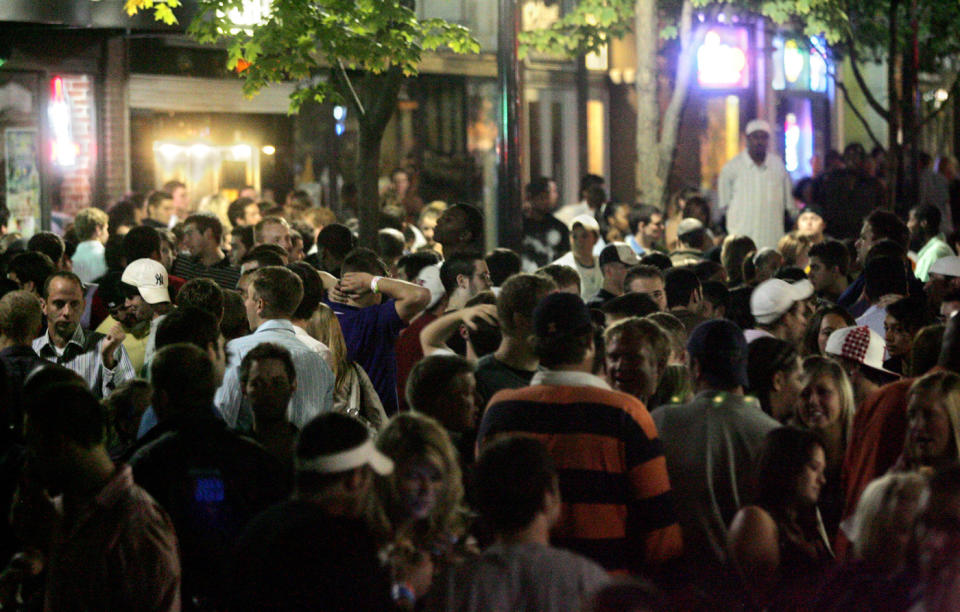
(365, 454)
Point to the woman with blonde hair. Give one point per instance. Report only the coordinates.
(826, 407)
(880, 531)
(795, 249)
(353, 393)
(933, 423)
(420, 513)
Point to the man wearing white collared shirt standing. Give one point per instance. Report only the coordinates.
(99, 359)
(271, 295)
(755, 190)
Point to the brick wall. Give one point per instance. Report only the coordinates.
(76, 186)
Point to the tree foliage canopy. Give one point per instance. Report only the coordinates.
(299, 40)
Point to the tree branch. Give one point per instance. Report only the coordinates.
(930, 116)
(868, 95)
(353, 92)
(846, 96)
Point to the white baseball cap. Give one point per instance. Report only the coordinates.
(429, 277)
(588, 222)
(690, 224)
(772, 298)
(618, 252)
(150, 278)
(758, 125)
(860, 344)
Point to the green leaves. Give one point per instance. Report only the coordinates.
(162, 9)
(586, 28)
(299, 39)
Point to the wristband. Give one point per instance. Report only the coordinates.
(374, 282)
(401, 592)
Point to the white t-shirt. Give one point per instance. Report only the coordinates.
(591, 278)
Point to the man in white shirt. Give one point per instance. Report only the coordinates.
(271, 297)
(584, 234)
(312, 291)
(91, 225)
(755, 190)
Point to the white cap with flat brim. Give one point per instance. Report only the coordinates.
(365, 454)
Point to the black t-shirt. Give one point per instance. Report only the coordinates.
(493, 375)
(297, 557)
(211, 481)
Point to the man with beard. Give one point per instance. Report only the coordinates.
(98, 358)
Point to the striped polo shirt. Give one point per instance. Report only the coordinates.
(221, 272)
(618, 507)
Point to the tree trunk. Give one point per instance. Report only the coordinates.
(377, 93)
(894, 155)
(649, 181)
(689, 43)
(583, 97)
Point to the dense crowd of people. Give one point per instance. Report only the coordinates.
(748, 403)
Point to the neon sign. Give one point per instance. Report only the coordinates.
(722, 59)
(63, 149)
(791, 135)
(793, 61)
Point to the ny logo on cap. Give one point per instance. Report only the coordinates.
(159, 279)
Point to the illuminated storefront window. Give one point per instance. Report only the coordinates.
(799, 64)
(722, 59)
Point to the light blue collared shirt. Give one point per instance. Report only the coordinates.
(315, 379)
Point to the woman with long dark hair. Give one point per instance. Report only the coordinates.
(778, 545)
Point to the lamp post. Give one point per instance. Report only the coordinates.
(509, 99)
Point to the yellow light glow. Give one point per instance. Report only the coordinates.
(733, 126)
(241, 151)
(200, 150)
(268, 149)
(168, 149)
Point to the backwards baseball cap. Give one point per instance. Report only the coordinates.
(588, 222)
(758, 125)
(947, 266)
(150, 279)
(331, 429)
(561, 314)
(860, 344)
(689, 225)
(772, 298)
(429, 277)
(813, 209)
(618, 252)
(721, 351)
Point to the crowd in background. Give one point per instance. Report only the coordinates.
(748, 401)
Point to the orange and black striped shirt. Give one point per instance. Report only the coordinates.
(618, 508)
